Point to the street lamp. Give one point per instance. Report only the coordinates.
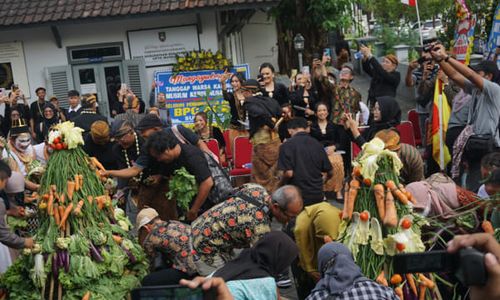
(298, 45)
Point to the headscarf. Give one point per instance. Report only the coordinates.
(437, 195)
(270, 256)
(47, 123)
(338, 270)
(390, 116)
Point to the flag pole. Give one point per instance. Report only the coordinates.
(440, 115)
(419, 24)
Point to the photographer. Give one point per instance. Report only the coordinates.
(480, 136)
(484, 242)
(422, 75)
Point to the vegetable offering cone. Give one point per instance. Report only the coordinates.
(82, 244)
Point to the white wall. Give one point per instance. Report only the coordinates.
(259, 39)
(41, 51)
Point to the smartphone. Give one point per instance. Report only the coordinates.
(467, 264)
(305, 70)
(171, 292)
(327, 52)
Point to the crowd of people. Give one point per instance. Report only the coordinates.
(301, 136)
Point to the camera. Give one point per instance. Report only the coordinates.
(260, 78)
(467, 264)
(422, 59)
(429, 47)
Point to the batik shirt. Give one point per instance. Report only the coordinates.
(345, 100)
(173, 239)
(363, 290)
(234, 223)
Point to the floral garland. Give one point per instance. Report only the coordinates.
(138, 178)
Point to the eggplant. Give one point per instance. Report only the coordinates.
(95, 253)
(54, 265)
(60, 262)
(66, 265)
(131, 256)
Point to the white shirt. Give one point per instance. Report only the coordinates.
(74, 109)
(481, 193)
(363, 114)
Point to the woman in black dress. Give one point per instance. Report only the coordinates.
(270, 88)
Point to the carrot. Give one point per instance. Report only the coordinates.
(487, 227)
(78, 210)
(45, 197)
(378, 190)
(396, 279)
(399, 292)
(100, 202)
(66, 214)
(381, 279)
(408, 195)
(70, 189)
(391, 216)
(53, 188)
(396, 192)
(426, 281)
(80, 178)
(61, 213)
(77, 183)
(90, 199)
(118, 239)
(356, 172)
(351, 198)
(55, 213)
(62, 199)
(86, 296)
(97, 164)
(421, 292)
(411, 283)
(50, 204)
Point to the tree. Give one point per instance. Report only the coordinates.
(311, 18)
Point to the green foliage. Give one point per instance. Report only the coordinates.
(217, 111)
(182, 187)
(390, 37)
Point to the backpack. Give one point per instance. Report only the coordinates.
(222, 187)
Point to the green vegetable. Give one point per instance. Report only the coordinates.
(16, 222)
(182, 187)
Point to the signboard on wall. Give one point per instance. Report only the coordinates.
(13, 67)
(494, 40)
(185, 90)
(158, 46)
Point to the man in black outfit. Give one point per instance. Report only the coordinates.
(165, 148)
(36, 114)
(75, 107)
(88, 114)
(303, 161)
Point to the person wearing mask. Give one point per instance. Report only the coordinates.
(239, 123)
(251, 274)
(240, 222)
(169, 241)
(487, 244)
(88, 114)
(36, 114)
(324, 131)
(481, 134)
(385, 78)
(49, 119)
(98, 144)
(271, 88)
(315, 225)
(422, 74)
(75, 107)
(303, 161)
(342, 279)
(386, 114)
(206, 132)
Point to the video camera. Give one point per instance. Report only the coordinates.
(467, 264)
(429, 47)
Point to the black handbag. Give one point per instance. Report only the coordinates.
(478, 145)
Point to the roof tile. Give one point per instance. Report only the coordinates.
(19, 12)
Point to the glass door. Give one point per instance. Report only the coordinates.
(112, 74)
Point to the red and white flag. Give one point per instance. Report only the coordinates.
(409, 2)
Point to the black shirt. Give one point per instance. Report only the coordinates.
(71, 115)
(326, 139)
(383, 83)
(103, 153)
(306, 157)
(86, 119)
(191, 158)
(280, 93)
(297, 98)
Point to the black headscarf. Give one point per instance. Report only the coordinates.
(390, 116)
(270, 256)
(47, 123)
(261, 110)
